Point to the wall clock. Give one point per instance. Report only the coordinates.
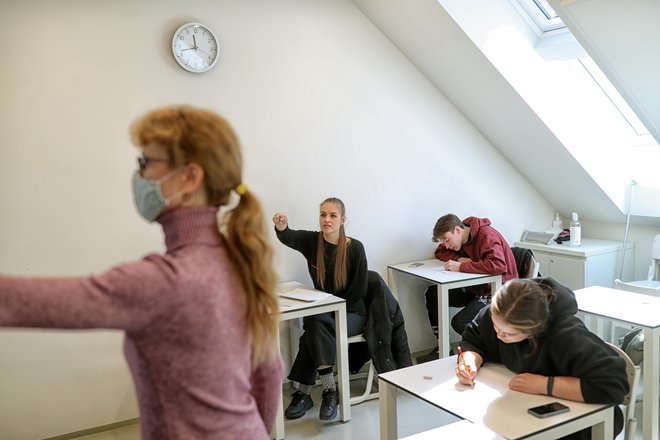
(195, 47)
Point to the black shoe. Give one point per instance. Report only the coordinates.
(328, 409)
(300, 403)
(428, 357)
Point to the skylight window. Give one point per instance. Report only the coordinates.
(546, 9)
(614, 96)
(542, 15)
(541, 59)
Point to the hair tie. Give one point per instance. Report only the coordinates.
(241, 189)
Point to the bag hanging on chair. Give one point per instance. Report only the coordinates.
(633, 344)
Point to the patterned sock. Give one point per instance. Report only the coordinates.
(327, 379)
(306, 389)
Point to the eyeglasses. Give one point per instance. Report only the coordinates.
(144, 161)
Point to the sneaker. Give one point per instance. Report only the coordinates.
(428, 357)
(329, 401)
(300, 403)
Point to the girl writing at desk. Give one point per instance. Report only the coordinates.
(531, 328)
(337, 264)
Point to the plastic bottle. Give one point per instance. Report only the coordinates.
(557, 222)
(576, 230)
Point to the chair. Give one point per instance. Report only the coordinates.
(526, 264)
(371, 375)
(635, 288)
(654, 269)
(633, 372)
(384, 336)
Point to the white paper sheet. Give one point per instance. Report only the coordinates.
(305, 295)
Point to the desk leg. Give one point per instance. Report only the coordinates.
(279, 423)
(341, 336)
(605, 429)
(393, 282)
(594, 324)
(443, 320)
(495, 285)
(388, 412)
(651, 378)
(279, 419)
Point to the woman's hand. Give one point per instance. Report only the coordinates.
(453, 266)
(529, 383)
(281, 221)
(466, 369)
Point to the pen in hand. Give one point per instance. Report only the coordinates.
(468, 369)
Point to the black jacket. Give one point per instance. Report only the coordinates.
(385, 332)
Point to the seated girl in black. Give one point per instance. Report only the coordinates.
(337, 264)
(531, 328)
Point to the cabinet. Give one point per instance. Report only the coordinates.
(595, 263)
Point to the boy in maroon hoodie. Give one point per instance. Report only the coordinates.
(473, 246)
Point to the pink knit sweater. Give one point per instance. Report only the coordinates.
(187, 342)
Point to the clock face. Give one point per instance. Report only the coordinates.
(195, 47)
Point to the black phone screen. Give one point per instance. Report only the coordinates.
(548, 410)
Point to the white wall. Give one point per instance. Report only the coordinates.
(325, 106)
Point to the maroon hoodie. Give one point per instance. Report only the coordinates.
(489, 251)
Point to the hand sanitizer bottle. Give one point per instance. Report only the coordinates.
(576, 230)
(557, 223)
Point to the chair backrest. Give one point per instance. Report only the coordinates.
(536, 268)
(375, 284)
(646, 290)
(654, 269)
(632, 372)
(526, 264)
(655, 249)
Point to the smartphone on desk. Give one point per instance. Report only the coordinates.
(547, 410)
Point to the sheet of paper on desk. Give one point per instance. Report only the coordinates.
(305, 295)
(286, 303)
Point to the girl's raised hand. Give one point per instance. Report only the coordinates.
(280, 220)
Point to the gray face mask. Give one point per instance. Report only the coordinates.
(147, 195)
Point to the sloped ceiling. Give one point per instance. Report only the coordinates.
(432, 40)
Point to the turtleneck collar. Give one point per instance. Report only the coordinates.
(186, 226)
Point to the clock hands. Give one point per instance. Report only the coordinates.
(195, 47)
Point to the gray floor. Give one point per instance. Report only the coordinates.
(413, 416)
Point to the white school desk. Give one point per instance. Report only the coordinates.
(462, 429)
(433, 272)
(489, 403)
(640, 311)
(302, 309)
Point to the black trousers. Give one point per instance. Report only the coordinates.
(317, 344)
(457, 298)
